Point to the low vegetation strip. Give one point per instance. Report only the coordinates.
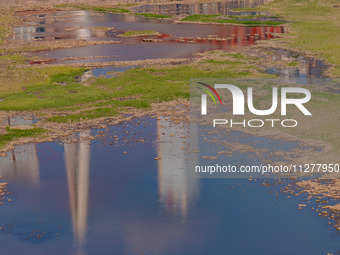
(124, 8)
(13, 134)
(7, 20)
(59, 88)
(152, 15)
(228, 20)
(118, 9)
(315, 27)
(139, 33)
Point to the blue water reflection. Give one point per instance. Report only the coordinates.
(129, 192)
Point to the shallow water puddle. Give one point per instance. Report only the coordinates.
(130, 192)
(175, 40)
(26, 119)
(106, 72)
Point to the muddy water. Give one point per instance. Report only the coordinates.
(174, 41)
(111, 195)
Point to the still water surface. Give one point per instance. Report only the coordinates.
(176, 40)
(110, 196)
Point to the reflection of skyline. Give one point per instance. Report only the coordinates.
(177, 188)
(21, 163)
(44, 27)
(305, 70)
(177, 192)
(77, 161)
(215, 8)
(236, 36)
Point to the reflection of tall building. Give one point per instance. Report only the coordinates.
(212, 8)
(77, 160)
(178, 186)
(82, 33)
(21, 163)
(236, 36)
(305, 70)
(24, 33)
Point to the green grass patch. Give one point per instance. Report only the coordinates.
(227, 20)
(139, 33)
(336, 71)
(315, 26)
(95, 8)
(13, 59)
(245, 9)
(61, 88)
(85, 115)
(62, 5)
(104, 109)
(58, 88)
(124, 102)
(13, 134)
(200, 18)
(293, 63)
(101, 28)
(7, 21)
(247, 16)
(240, 56)
(152, 15)
(231, 63)
(14, 79)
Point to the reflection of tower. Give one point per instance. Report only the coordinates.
(178, 186)
(83, 33)
(77, 160)
(21, 163)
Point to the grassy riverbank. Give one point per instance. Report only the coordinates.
(13, 134)
(59, 88)
(122, 8)
(7, 20)
(153, 16)
(230, 20)
(315, 27)
(139, 33)
(118, 9)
